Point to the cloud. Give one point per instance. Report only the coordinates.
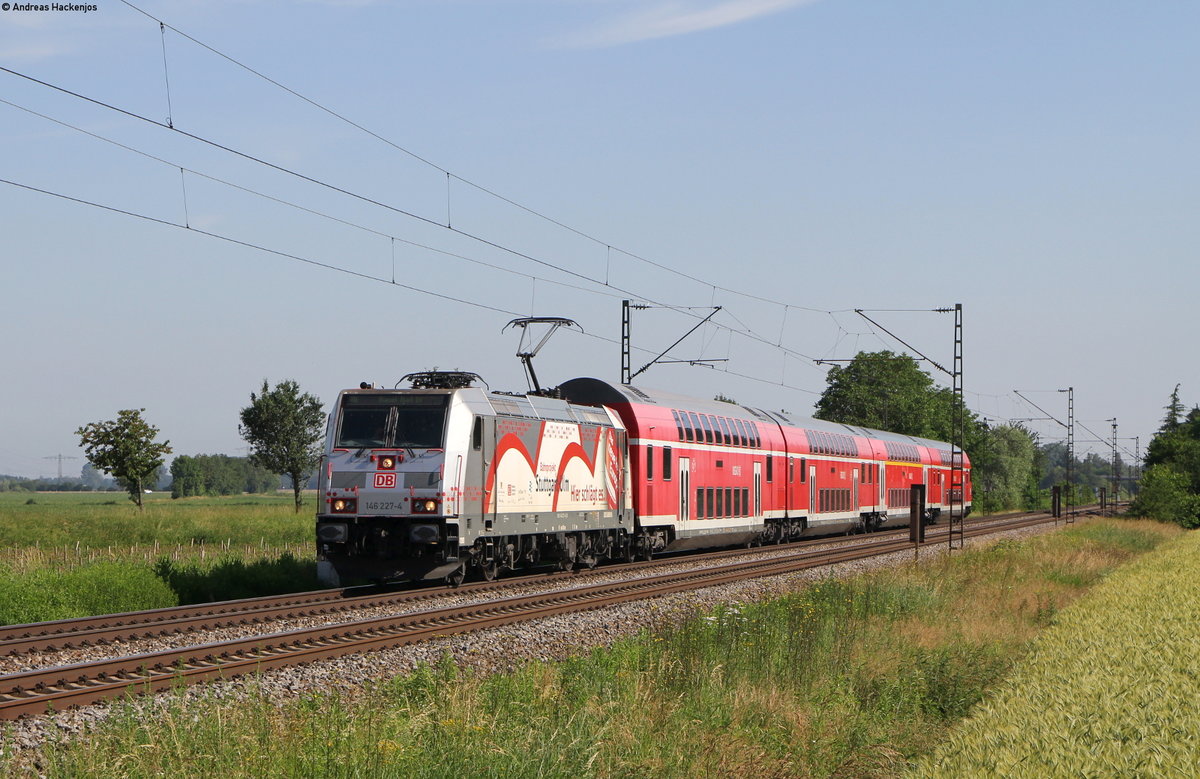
(32, 51)
(681, 17)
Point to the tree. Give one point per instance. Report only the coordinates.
(283, 427)
(125, 448)
(1174, 411)
(1006, 480)
(887, 391)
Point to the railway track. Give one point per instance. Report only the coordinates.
(35, 691)
(116, 628)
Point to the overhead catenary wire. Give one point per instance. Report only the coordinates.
(329, 266)
(341, 190)
(308, 210)
(451, 175)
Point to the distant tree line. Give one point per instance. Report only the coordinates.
(89, 480)
(219, 474)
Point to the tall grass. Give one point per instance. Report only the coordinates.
(77, 554)
(854, 677)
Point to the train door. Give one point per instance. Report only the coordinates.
(758, 489)
(813, 508)
(685, 488)
(854, 477)
(881, 471)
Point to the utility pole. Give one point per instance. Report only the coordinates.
(60, 458)
(1116, 476)
(1070, 448)
(958, 495)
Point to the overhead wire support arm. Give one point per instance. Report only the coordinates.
(1039, 408)
(907, 345)
(641, 370)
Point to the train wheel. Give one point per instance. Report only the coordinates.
(455, 577)
(489, 570)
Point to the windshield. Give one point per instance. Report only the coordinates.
(381, 421)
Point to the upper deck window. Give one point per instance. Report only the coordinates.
(392, 420)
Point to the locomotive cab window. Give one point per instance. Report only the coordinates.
(385, 421)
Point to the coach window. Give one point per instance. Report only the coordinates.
(725, 430)
(717, 437)
(743, 433)
(729, 501)
(700, 503)
(791, 470)
(666, 463)
(678, 423)
(708, 508)
(708, 431)
(720, 502)
(803, 470)
(685, 425)
(649, 462)
(770, 468)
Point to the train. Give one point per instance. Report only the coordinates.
(447, 479)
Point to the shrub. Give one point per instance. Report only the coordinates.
(1164, 496)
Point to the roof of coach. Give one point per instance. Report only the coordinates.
(586, 390)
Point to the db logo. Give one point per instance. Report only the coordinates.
(385, 481)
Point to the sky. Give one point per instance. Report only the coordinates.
(345, 191)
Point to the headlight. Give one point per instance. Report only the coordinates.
(333, 532)
(425, 506)
(344, 505)
(386, 462)
(423, 534)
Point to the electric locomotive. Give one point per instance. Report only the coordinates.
(444, 478)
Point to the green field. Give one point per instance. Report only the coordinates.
(73, 554)
(859, 677)
(1111, 690)
(99, 520)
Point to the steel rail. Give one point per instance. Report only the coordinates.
(33, 692)
(129, 626)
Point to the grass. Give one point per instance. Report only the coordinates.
(1109, 691)
(77, 554)
(849, 678)
(100, 520)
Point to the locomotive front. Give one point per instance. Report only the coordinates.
(385, 512)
